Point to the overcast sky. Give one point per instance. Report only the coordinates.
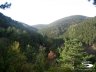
(46, 11)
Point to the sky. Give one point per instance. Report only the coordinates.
(34, 12)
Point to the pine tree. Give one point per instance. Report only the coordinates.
(72, 54)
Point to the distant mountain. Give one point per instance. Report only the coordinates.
(18, 29)
(7, 21)
(60, 26)
(69, 20)
(39, 26)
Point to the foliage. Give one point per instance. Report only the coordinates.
(60, 26)
(94, 1)
(72, 55)
(85, 31)
(23, 49)
(6, 5)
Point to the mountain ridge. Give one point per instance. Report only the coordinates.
(7, 21)
(58, 27)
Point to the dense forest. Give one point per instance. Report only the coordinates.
(60, 26)
(66, 45)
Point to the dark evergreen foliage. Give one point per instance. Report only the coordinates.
(94, 1)
(5, 5)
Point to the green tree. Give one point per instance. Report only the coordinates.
(4, 43)
(13, 58)
(30, 54)
(72, 54)
(41, 60)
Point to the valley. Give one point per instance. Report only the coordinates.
(61, 46)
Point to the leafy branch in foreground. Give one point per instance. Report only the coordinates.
(5, 5)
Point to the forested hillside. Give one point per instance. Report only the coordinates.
(66, 45)
(60, 26)
(85, 32)
(7, 21)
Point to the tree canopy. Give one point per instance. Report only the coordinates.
(5, 5)
(94, 1)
